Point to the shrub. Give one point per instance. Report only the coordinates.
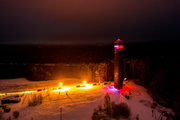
(115, 111)
(16, 114)
(125, 111)
(100, 108)
(111, 110)
(107, 105)
(40, 98)
(120, 111)
(95, 115)
(98, 115)
(35, 100)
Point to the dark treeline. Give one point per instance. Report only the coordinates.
(55, 54)
(13, 70)
(37, 72)
(80, 54)
(160, 75)
(30, 61)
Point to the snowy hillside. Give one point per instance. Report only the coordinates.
(76, 103)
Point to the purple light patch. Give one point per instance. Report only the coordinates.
(112, 88)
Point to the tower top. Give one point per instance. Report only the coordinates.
(118, 41)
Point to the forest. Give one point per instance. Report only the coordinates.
(160, 75)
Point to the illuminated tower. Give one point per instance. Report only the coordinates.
(118, 64)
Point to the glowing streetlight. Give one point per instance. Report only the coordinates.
(60, 84)
(84, 82)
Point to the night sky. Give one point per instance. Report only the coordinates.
(88, 21)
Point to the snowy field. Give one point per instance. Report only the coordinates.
(76, 103)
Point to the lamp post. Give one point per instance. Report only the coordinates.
(118, 64)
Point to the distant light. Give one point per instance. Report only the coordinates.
(121, 46)
(60, 84)
(99, 81)
(116, 46)
(84, 82)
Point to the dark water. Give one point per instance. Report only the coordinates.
(81, 54)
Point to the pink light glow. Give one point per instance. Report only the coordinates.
(118, 41)
(116, 46)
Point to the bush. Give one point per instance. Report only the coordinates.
(16, 114)
(40, 98)
(120, 110)
(35, 100)
(111, 110)
(100, 108)
(107, 105)
(124, 110)
(99, 115)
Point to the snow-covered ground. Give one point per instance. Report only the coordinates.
(79, 104)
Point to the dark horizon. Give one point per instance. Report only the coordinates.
(83, 53)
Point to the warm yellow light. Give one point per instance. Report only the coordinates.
(28, 91)
(63, 89)
(87, 86)
(84, 82)
(99, 81)
(60, 84)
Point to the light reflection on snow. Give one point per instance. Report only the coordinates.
(2, 94)
(63, 89)
(87, 86)
(111, 88)
(27, 91)
(114, 89)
